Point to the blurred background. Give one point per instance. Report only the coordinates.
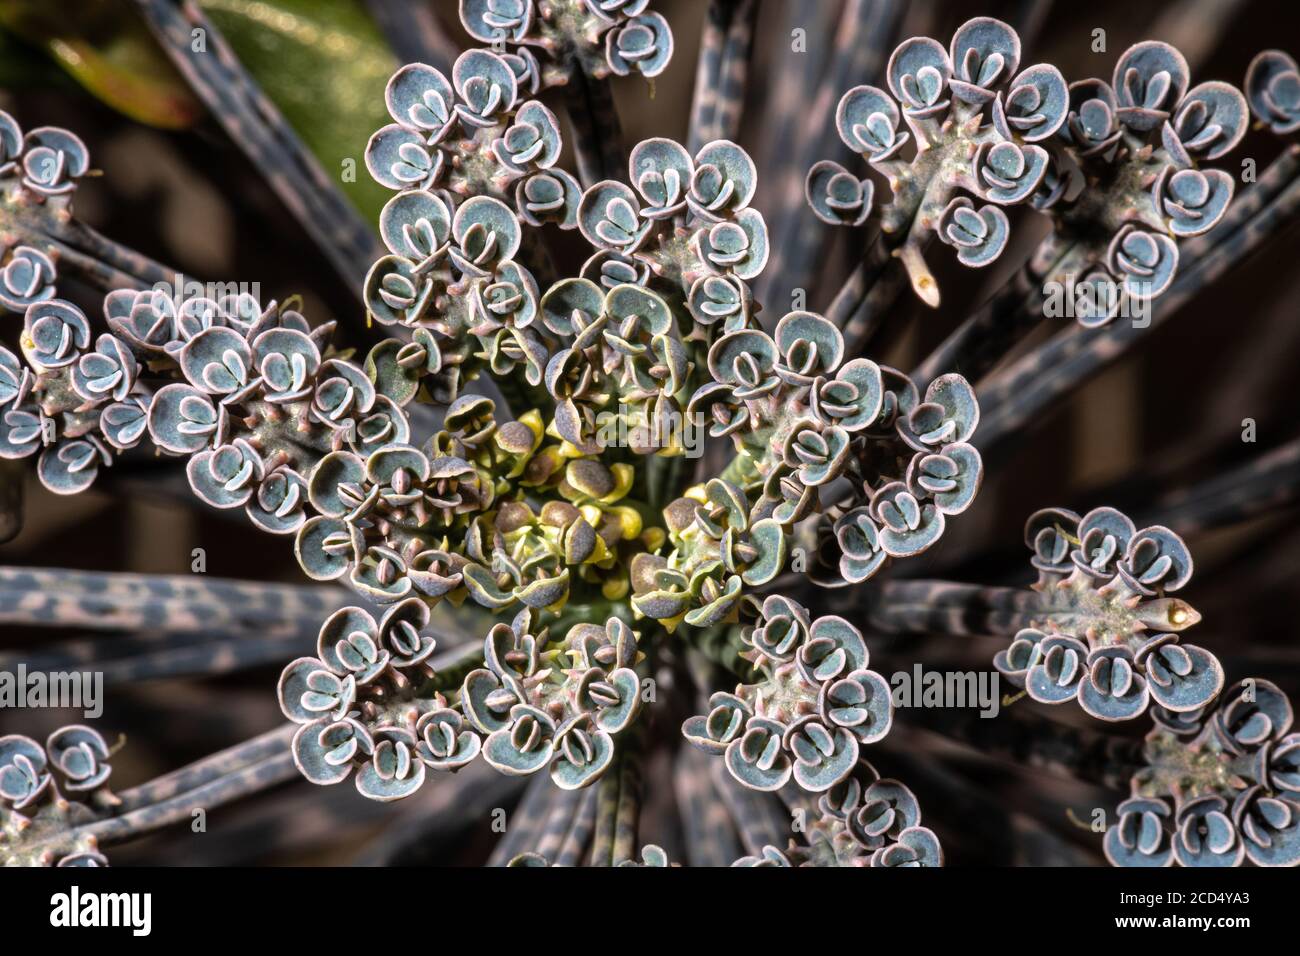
(1166, 416)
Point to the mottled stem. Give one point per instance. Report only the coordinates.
(1269, 483)
(413, 31)
(139, 268)
(256, 125)
(597, 133)
(160, 655)
(525, 821)
(618, 802)
(117, 601)
(941, 607)
(202, 772)
(1029, 739)
(723, 71)
(559, 820)
(244, 782)
(705, 98)
(866, 31)
(578, 838)
(759, 818)
(1073, 355)
(710, 838)
(75, 248)
(11, 499)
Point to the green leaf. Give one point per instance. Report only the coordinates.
(324, 64)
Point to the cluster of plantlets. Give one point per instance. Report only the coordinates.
(1220, 785)
(539, 512)
(864, 820)
(1101, 629)
(551, 486)
(50, 793)
(1117, 167)
(597, 37)
(815, 704)
(369, 699)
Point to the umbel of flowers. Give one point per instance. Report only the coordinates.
(805, 421)
(1102, 629)
(1221, 786)
(249, 394)
(528, 515)
(1119, 166)
(39, 171)
(657, 329)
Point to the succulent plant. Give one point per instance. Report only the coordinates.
(554, 506)
(552, 38)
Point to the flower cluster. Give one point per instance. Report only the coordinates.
(1102, 628)
(614, 349)
(358, 706)
(370, 701)
(863, 820)
(460, 517)
(685, 224)
(47, 792)
(249, 394)
(1117, 167)
(1221, 786)
(473, 136)
(599, 37)
(28, 276)
(76, 399)
(55, 401)
(537, 712)
(813, 707)
(262, 401)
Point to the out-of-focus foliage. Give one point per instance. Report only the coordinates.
(108, 50)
